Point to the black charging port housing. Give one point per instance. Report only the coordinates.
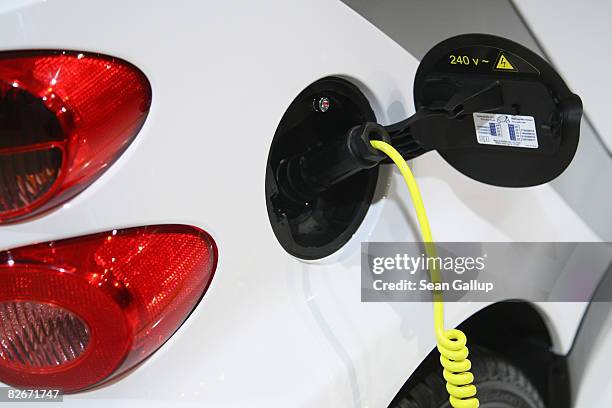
(315, 227)
(494, 110)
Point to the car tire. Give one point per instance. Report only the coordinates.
(500, 385)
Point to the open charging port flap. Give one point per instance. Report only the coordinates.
(493, 109)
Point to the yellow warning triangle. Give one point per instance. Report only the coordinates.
(504, 63)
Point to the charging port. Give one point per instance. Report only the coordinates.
(310, 223)
(514, 123)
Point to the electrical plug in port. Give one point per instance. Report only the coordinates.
(305, 175)
(503, 117)
(515, 124)
(313, 211)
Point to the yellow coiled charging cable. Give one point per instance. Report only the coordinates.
(451, 343)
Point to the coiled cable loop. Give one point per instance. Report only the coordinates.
(451, 343)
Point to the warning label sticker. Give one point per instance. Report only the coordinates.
(504, 64)
(506, 130)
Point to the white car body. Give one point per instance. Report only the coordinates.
(272, 330)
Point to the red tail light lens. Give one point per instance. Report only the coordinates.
(64, 118)
(77, 311)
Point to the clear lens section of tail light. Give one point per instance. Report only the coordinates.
(79, 311)
(40, 335)
(65, 117)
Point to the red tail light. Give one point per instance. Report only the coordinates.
(64, 118)
(77, 311)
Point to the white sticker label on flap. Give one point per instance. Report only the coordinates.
(506, 130)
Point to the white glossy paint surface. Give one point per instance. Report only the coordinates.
(272, 330)
(592, 355)
(576, 36)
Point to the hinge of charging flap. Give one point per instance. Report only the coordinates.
(304, 175)
(431, 127)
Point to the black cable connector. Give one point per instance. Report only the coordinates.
(305, 175)
(445, 123)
